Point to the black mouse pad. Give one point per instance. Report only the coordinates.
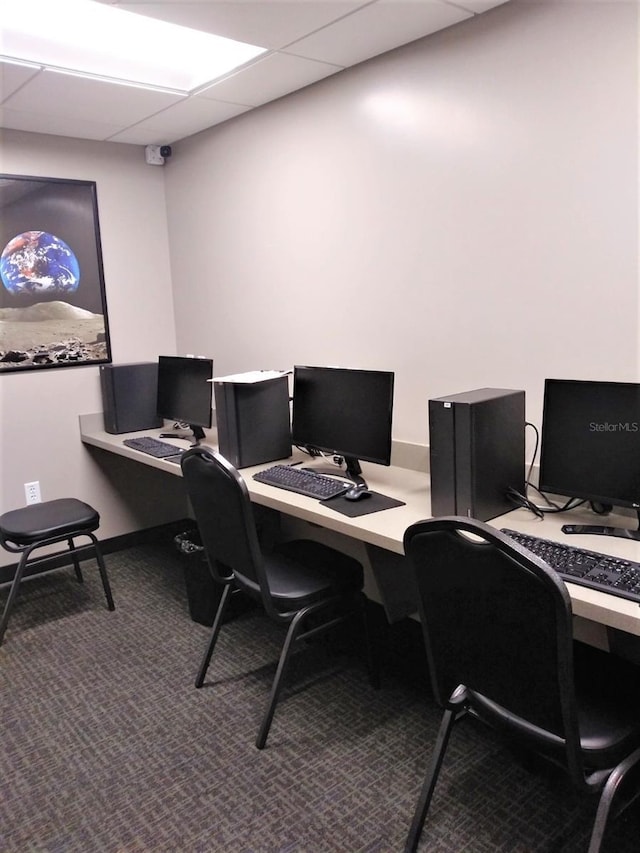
(364, 506)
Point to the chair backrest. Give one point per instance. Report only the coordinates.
(497, 620)
(222, 508)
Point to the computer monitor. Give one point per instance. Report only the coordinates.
(591, 446)
(184, 394)
(344, 412)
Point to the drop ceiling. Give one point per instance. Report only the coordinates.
(306, 41)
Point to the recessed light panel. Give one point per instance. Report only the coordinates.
(102, 41)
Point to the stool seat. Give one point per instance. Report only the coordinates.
(55, 518)
(24, 530)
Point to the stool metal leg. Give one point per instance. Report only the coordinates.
(76, 562)
(13, 591)
(103, 572)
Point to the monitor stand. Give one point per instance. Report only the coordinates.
(352, 471)
(603, 530)
(198, 433)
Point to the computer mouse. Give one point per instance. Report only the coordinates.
(356, 493)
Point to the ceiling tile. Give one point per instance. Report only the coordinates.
(12, 77)
(56, 124)
(68, 96)
(308, 39)
(272, 24)
(479, 6)
(376, 28)
(177, 122)
(272, 77)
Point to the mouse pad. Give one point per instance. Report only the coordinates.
(364, 506)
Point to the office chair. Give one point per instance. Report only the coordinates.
(303, 584)
(24, 530)
(498, 634)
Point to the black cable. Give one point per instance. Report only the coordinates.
(535, 453)
(310, 451)
(525, 502)
(519, 500)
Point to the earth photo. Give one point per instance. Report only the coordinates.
(39, 263)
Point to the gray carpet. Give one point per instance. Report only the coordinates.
(106, 745)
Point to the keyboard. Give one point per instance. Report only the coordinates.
(586, 568)
(153, 446)
(301, 481)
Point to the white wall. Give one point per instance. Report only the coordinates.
(39, 408)
(462, 210)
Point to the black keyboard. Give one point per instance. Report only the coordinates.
(153, 446)
(586, 568)
(301, 481)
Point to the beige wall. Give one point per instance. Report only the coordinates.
(462, 211)
(39, 409)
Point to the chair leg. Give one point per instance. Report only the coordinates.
(76, 562)
(276, 687)
(428, 787)
(103, 572)
(13, 591)
(609, 791)
(215, 630)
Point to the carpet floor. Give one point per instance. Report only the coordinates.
(106, 745)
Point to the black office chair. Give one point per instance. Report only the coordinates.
(24, 530)
(303, 584)
(498, 635)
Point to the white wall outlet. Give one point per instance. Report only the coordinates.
(32, 492)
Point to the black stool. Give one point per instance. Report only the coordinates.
(24, 530)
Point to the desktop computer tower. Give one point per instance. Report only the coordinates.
(253, 420)
(476, 451)
(129, 396)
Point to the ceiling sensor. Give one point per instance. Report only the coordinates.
(155, 155)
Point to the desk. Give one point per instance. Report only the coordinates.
(382, 532)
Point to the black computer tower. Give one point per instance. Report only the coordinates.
(253, 420)
(129, 396)
(476, 451)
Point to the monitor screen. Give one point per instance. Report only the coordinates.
(184, 394)
(591, 441)
(344, 411)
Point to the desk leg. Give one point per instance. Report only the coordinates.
(395, 581)
(268, 526)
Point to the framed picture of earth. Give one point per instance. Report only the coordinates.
(53, 309)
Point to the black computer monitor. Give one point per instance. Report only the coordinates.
(591, 446)
(344, 412)
(184, 394)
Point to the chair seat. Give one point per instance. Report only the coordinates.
(301, 572)
(56, 518)
(608, 700)
(607, 703)
(608, 731)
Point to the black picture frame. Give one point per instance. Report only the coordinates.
(53, 307)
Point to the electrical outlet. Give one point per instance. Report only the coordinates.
(32, 492)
